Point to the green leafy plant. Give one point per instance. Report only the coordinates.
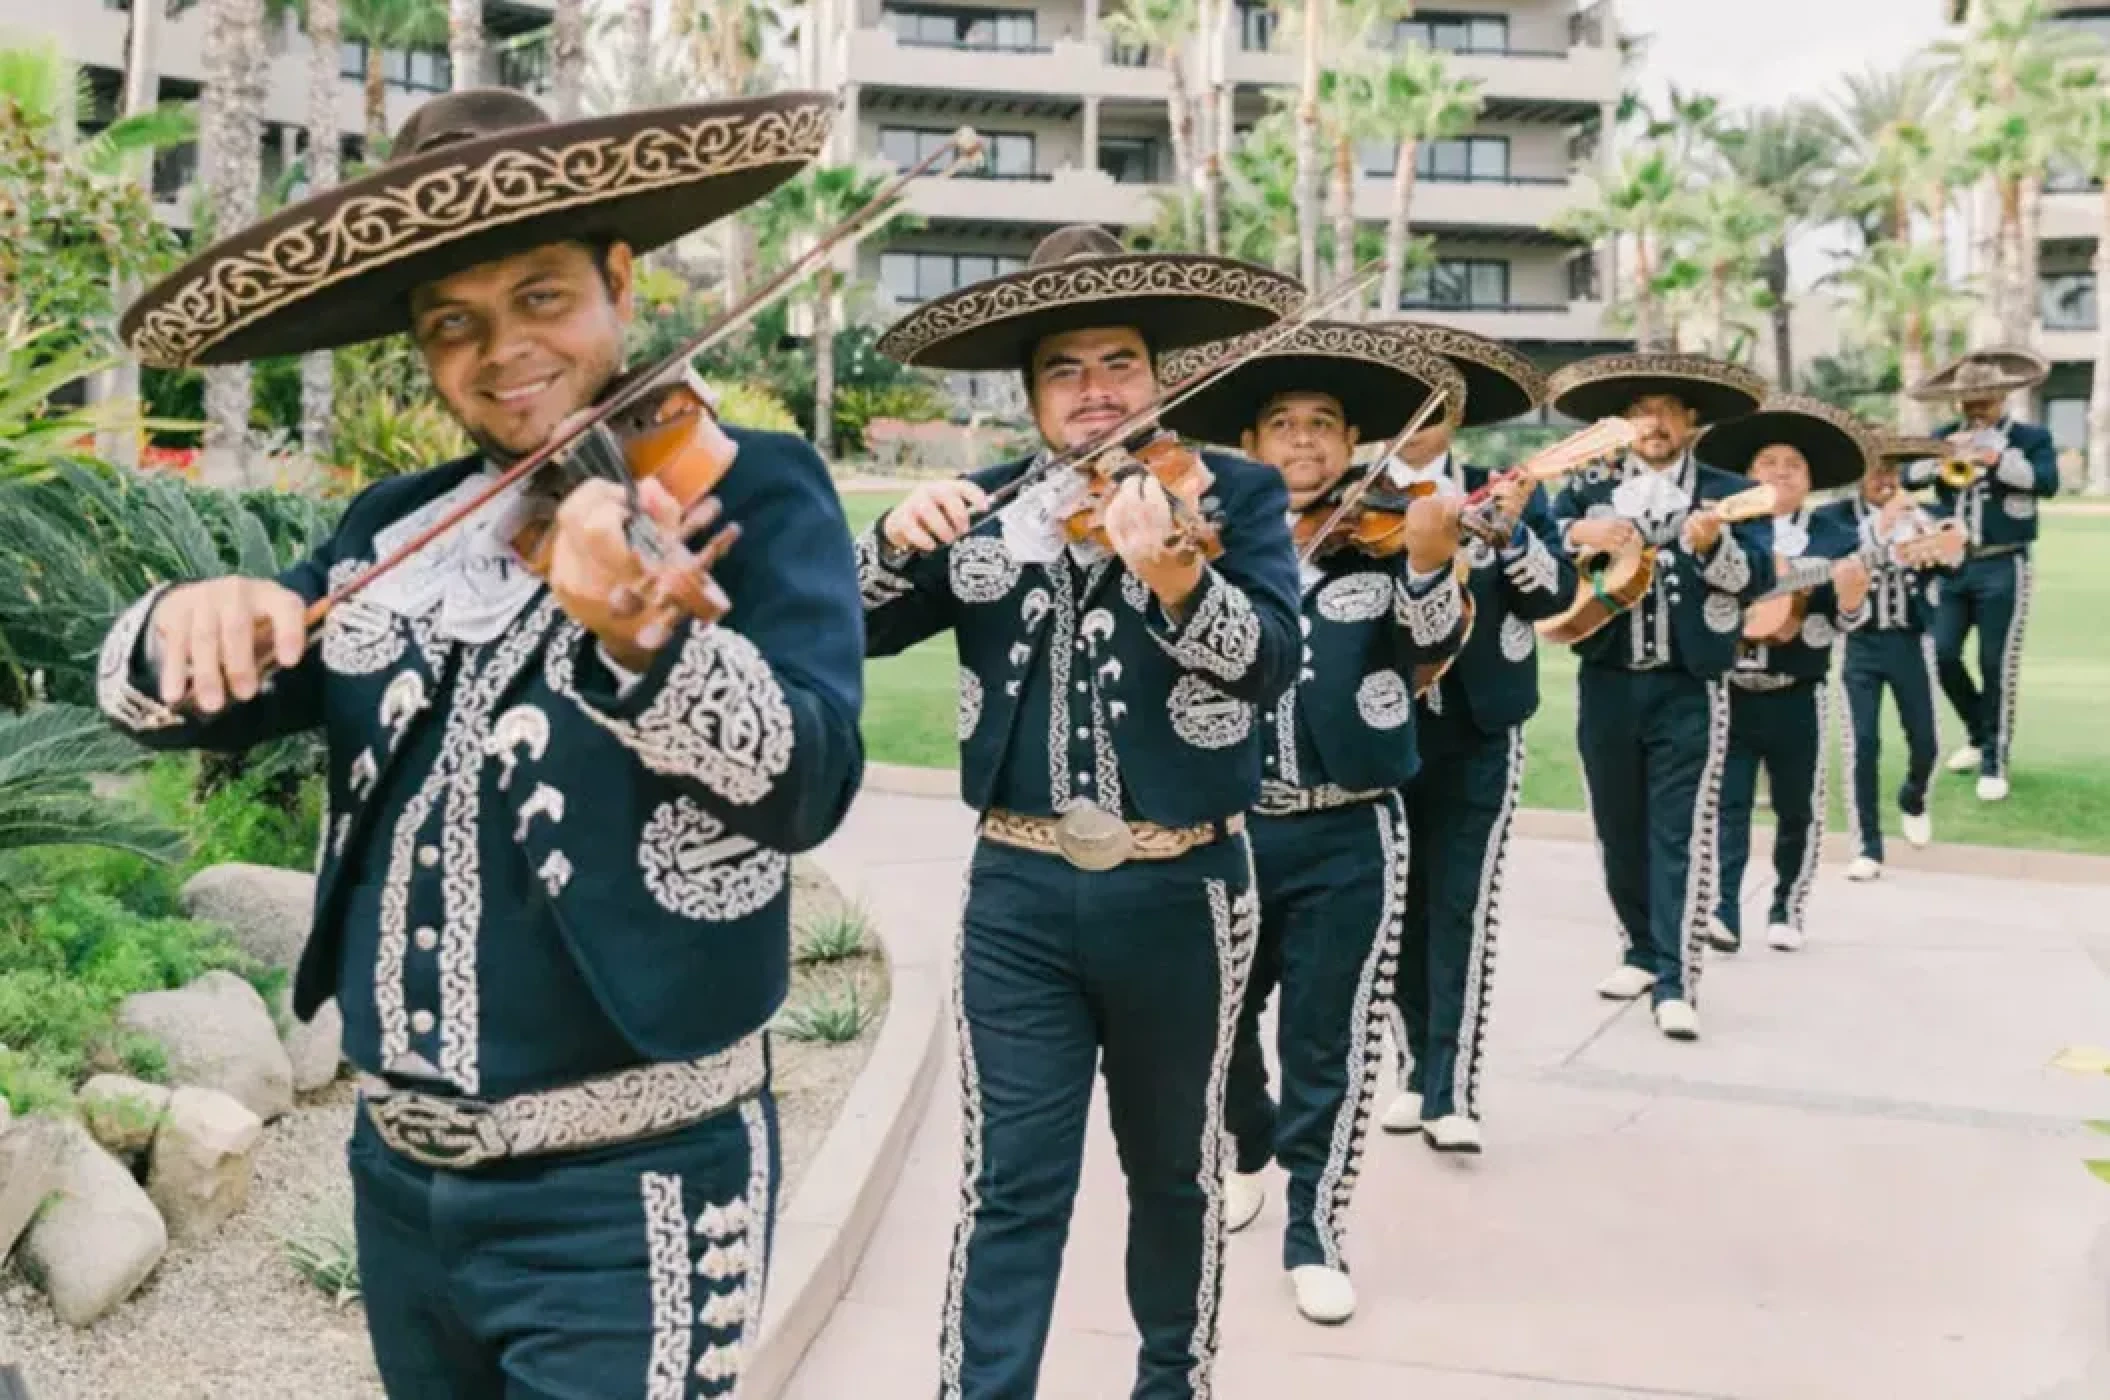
(827, 1018)
(47, 758)
(836, 935)
(747, 405)
(267, 811)
(911, 401)
(325, 1252)
(2099, 1165)
(35, 364)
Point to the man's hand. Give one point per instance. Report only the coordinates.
(1139, 524)
(1432, 532)
(1603, 535)
(1893, 511)
(1702, 529)
(630, 605)
(934, 515)
(209, 634)
(1512, 494)
(1850, 578)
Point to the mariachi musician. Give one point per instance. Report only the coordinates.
(1653, 720)
(554, 893)
(1330, 844)
(1112, 675)
(1471, 732)
(1996, 471)
(1889, 645)
(1778, 711)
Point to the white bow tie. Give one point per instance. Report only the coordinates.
(1791, 539)
(470, 575)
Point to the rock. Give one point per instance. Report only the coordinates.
(7, 1114)
(99, 1238)
(30, 1156)
(316, 1048)
(201, 1164)
(267, 910)
(218, 1034)
(122, 1113)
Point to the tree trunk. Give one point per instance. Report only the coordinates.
(734, 264)
(1344, 225)
(1644, 296)
(1912, 367)
(1718, 343)
(2027, 299)
(824, 364)
(1220, 148)
(567, 57)
(1941, 229)
(1207, 46)
(1392, 289)
(1783, 316)
(1308, 149)
(142, 92)
(376, 105)
(234, 85)
(2099, 381)
(465, 41)
(1182, 121)
(325, 34)
(2007, 270)
(637, 50)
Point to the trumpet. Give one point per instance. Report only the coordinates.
(1959, 472)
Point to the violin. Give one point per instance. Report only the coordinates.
(1176, 467)
(1374, 524)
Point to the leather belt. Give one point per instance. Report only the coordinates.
(1995, 551)
(456, 1134)
(1092, 838)
(1282, 800)
(1764, 682)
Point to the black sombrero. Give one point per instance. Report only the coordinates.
(1993, 373)
(1607, 385)
(1381, 380)
(1895, 447)
(1500, 384)
(1838, 446)
(1080, 277)
(472, 176)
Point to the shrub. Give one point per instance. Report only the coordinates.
(839, 934)
(325, 1252)
(746, 405)
(829, 1019)
(264, 808)
(855, 407)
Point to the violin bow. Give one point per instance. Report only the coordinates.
(1361, 486)
(965, 145)
(1235, 354)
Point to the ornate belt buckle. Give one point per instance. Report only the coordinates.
(1092, 838)
(447, 1134)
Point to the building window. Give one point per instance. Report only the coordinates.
(962, 29)
(1007, 155)
(2063, 176)
(2067, 422)
(2066, 301)
(1256, 26)
(1582, 278)
(1459, 284)
(1460, 160)
(1130, 160)
(913, 277)
(418, 70)
(1455, 33)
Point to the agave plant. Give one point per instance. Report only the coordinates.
(48, 758)
(35, 436)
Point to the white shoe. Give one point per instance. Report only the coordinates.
(1626, 983)
(1862, 868)
(1992, 789)
(1454, 1132)
(1966, 759)
(1720, 938)
(1918, 828)
(1323, 1295)
(1785, 937)
(1403, 1114)
(1244, 1195)
(1678, 1020)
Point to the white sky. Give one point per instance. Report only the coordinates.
(1769, 51)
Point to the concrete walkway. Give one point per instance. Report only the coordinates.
(1864, 1183)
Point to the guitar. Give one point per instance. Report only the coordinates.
(1611, 584)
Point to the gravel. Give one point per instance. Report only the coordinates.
(230, 1319)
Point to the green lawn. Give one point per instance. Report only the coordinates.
(2061, 778)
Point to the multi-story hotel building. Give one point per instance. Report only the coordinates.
(1077, 131)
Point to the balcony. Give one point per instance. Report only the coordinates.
(1516, 79)
(1066, 68)
(2070, 215)
(1526, 201)
(2076, 346)
(1066, 196)
(1573, 321)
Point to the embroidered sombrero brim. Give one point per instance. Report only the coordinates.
(1174, 299)
(1892, 448)
(1606, 386)
(1500, 384)
(338, 268)
(1381, 381)
(1838, 448)
(1995, 372)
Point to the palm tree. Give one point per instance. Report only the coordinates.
(1165, 28)
(325, 31)
(233, 168)
(49, 757)
(637, 39)
(1889, 128)
(567, 56)
(1899, 295)
(1312, 26)
(1636, 202)
(1786, 154)
(1724, 230)
(724, 44)
(2090, 148)
(1417, 100)
(383, 25)
(465, 42)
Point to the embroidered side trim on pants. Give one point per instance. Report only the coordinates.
(667, 1245)
(1487, 928)
(1932, 662)
(1703, 854)
(951, 1344)
(1235, 921)
(2011, 665)
(1820, 794)
(1857, 821)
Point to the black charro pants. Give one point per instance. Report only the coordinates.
(1459, 808)
(1784, 732)
(625, 1273)
(1903, 662)
(1653, 744)
(1136, 973)
(1332, 889)
(1992, 595)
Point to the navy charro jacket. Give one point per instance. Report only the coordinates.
(1694, 611)
(1160, 720)
(1809, 656)
(1347, 725)
(643, 834)
(2000, 508)
(1495, 682)
(1899, 600)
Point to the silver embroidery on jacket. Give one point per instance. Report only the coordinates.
(1357, 597)
(122, 703)
(1206, 717)
(695, 868)
(522, 727)
(982, 569)
(970, 704)
(1382, 700)
(1222, 637)
(877, 585)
